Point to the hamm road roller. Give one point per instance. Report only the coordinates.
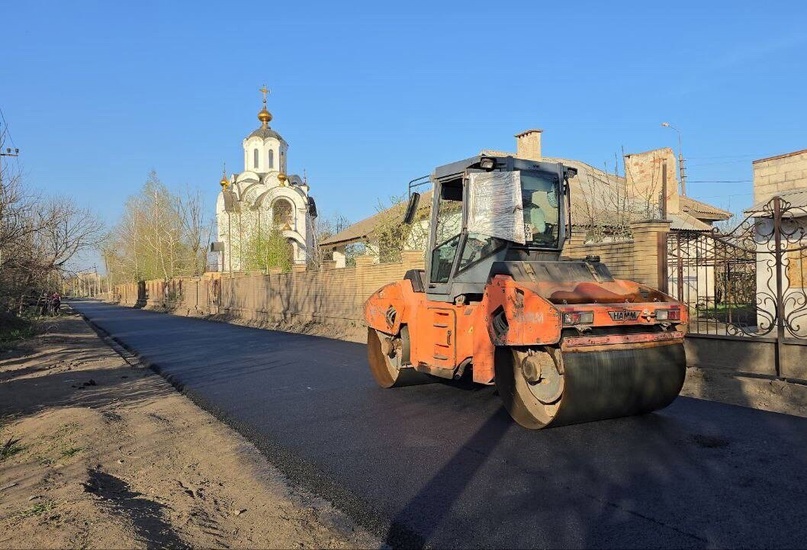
(562, 339)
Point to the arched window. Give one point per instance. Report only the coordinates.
(290, 246)
(255, 158)
(282, 214)
(271, 159)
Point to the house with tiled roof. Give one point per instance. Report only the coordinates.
(602, 203)
(701, 211)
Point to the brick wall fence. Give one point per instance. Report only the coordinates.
(640, 259)
(332, 299)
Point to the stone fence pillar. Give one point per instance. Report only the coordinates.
(650, 252)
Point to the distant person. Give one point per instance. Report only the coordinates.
(55, 303)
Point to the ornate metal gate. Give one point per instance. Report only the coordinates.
(749, 282)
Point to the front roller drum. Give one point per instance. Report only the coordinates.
(543, 386)
(389, 356)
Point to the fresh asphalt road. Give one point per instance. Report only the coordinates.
(443, 465)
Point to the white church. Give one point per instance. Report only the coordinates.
(261, 202)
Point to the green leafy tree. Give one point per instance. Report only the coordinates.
(391, 236)
(268, 251)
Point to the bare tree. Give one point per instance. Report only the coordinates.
(161, 235)
(607, 204)
(163, 226)
(65, 230)
(323, 228)
(38, 237)
(196, 232)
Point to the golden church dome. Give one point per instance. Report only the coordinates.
(264, 116)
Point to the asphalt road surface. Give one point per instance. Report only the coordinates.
(443, 465)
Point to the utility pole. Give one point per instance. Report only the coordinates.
(108, 283)
(7, 153)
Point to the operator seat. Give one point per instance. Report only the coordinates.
(537, 216)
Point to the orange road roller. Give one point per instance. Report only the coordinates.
(562, 339)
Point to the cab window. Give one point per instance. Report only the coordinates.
(540, 200)
(447, 231)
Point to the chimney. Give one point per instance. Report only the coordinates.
(528, 144)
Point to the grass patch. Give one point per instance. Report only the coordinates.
(10, 448)
(67, 453)
(14, 329)
(744, 314)
(38, 509)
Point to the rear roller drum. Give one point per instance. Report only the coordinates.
(542, 386)
(387, 355)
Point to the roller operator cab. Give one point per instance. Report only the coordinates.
(563, 340)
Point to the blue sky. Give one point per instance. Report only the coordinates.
(372, 94)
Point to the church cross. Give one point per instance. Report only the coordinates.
(264, 91)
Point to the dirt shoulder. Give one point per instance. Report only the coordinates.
(97, 452)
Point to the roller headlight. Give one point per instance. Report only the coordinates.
(668, 314)
(578, 318)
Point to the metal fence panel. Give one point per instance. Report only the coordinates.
(749, 282)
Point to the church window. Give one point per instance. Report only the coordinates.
(271, 159)
(290, 249)
(255, 158)
(282, 214)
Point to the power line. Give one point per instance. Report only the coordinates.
(725, 157)
(722, 181)
(726, 195)
(721, 162)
